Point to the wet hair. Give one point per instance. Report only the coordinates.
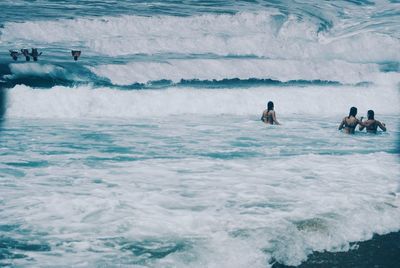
(76, 54)
(353, 112)
(270, 106)
(371, 115)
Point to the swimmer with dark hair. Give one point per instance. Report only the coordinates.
(269, 116)
(371, 125)
(25, 52)
(350, 122)
(14, 54)
(76, 54)
(35, 54)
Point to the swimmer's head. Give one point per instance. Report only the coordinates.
(371, 115)
(76, 54)
(353, 111)
(270, 105)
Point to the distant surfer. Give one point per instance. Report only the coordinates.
(35, 54)
(14, 54)
(371, 125)
(25, 52)
(76, 54)
(349, 123)
(269, 116)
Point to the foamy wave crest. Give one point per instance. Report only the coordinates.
(213, 69)
(36, 70)
(264, 34)
(64, 102)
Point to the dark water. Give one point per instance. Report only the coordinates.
(382, 251)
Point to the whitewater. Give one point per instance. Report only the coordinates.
(148, 151)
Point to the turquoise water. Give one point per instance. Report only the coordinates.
(184, 191)
(149, 150)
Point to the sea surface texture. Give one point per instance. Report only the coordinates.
(148, 151)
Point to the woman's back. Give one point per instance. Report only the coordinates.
(371, 126)
(349, 124)
(268, 117)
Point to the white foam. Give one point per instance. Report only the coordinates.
(213, 69)
(262, 34)
(226, 208)
(82, 102)
(36, 69)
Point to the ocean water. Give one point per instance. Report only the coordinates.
(149, 150)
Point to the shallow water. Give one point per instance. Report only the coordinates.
(191, 190)
(148, 150)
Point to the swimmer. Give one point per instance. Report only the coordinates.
(14, 54)
(35, 54)
(25, 52)
(350, 122)
(76, 54)
(371, 125)
(269, 116)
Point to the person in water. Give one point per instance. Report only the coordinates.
(371, 125)
(35, 54)
(25, 52)
(269, 116)
(14, 54)
(349, 123)
(76, 54)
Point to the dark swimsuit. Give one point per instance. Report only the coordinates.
(352, 128)
(268, 119)
(372, 128)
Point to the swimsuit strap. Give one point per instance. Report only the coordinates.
(350, 126)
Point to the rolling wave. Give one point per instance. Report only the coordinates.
(207, 73)
(264, 34)
(329, 47)
(89, 102)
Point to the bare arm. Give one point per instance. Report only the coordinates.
(342, 124)
(274, 118)
(263, 117)
(381, 125)
(362, 124)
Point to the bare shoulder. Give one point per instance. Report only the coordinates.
(373, 122)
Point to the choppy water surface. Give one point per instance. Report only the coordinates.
(189, 190)
(148, 151)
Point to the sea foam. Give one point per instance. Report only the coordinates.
(82, 102)
(264, 34)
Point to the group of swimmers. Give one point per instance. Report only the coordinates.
(348, 124)
(35, 54)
